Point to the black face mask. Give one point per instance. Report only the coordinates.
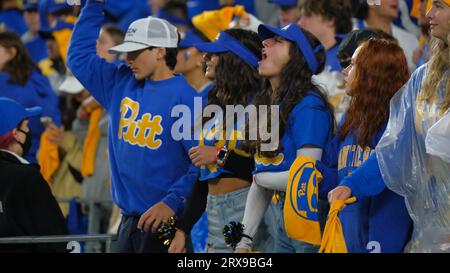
(27, 144)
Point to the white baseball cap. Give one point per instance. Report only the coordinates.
(71, 85)
(147, 32)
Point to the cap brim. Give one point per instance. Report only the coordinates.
(266, 32)
(33, 111)
(127, 47)
(210, 47)
(71, 86)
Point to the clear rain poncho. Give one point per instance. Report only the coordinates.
(414, 160)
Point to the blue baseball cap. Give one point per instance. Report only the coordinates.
(12, 113)
(294, 34)
(58, 5)
(30, 5)
(189, 39)
(225, 43)
(285, 3)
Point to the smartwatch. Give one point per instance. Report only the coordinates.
(222, 156)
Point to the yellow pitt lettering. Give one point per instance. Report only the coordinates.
(142, 132)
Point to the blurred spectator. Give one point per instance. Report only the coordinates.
(27, 206)
(329, 21)
(423, 52)
(289, 13)
(58, 10)
(190, 62)
(110, 35)
(11, 16)
(21, 80)
(405, 19)
(34, 43)
(57, 39)
(382, 17)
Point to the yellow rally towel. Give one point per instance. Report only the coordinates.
(333, 238)
(415, 8)
(48, 157)
(210, 23)
(91, 143)
(301, 218)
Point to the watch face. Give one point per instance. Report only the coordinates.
(221, 154)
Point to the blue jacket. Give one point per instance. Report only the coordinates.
(36, 92)
(148, 164)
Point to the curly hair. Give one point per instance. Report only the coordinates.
(372, 89)
(21, 66)
(236, 82)
(295, 82)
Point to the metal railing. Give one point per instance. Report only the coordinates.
(73, 241)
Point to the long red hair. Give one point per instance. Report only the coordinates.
(381, 70)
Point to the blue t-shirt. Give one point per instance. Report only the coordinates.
(309, 123)
(149, 163)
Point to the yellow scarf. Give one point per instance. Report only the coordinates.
(333, 237)
(301, 217)
(48, 157)
(91, 143)
(210, 23)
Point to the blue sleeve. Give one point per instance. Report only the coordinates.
(328, 168)
(181, 189)
(311, 126)
(366, 180)
(96, 75)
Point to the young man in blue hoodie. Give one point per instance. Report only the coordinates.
(151, 174)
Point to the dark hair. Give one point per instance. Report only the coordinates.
(340, 11)
(115, 32)
(295, 82)
(171, 57)
(236, 81)
(372, 89)
(360, 9)
(21, 66)
(356, 38)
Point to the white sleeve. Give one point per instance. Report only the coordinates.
(278, 180)
(260, 196)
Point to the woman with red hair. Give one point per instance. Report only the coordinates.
(377, 70)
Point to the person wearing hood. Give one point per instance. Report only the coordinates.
(27, 206)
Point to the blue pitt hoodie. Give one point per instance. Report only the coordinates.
(147, 164)
(36, 92)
